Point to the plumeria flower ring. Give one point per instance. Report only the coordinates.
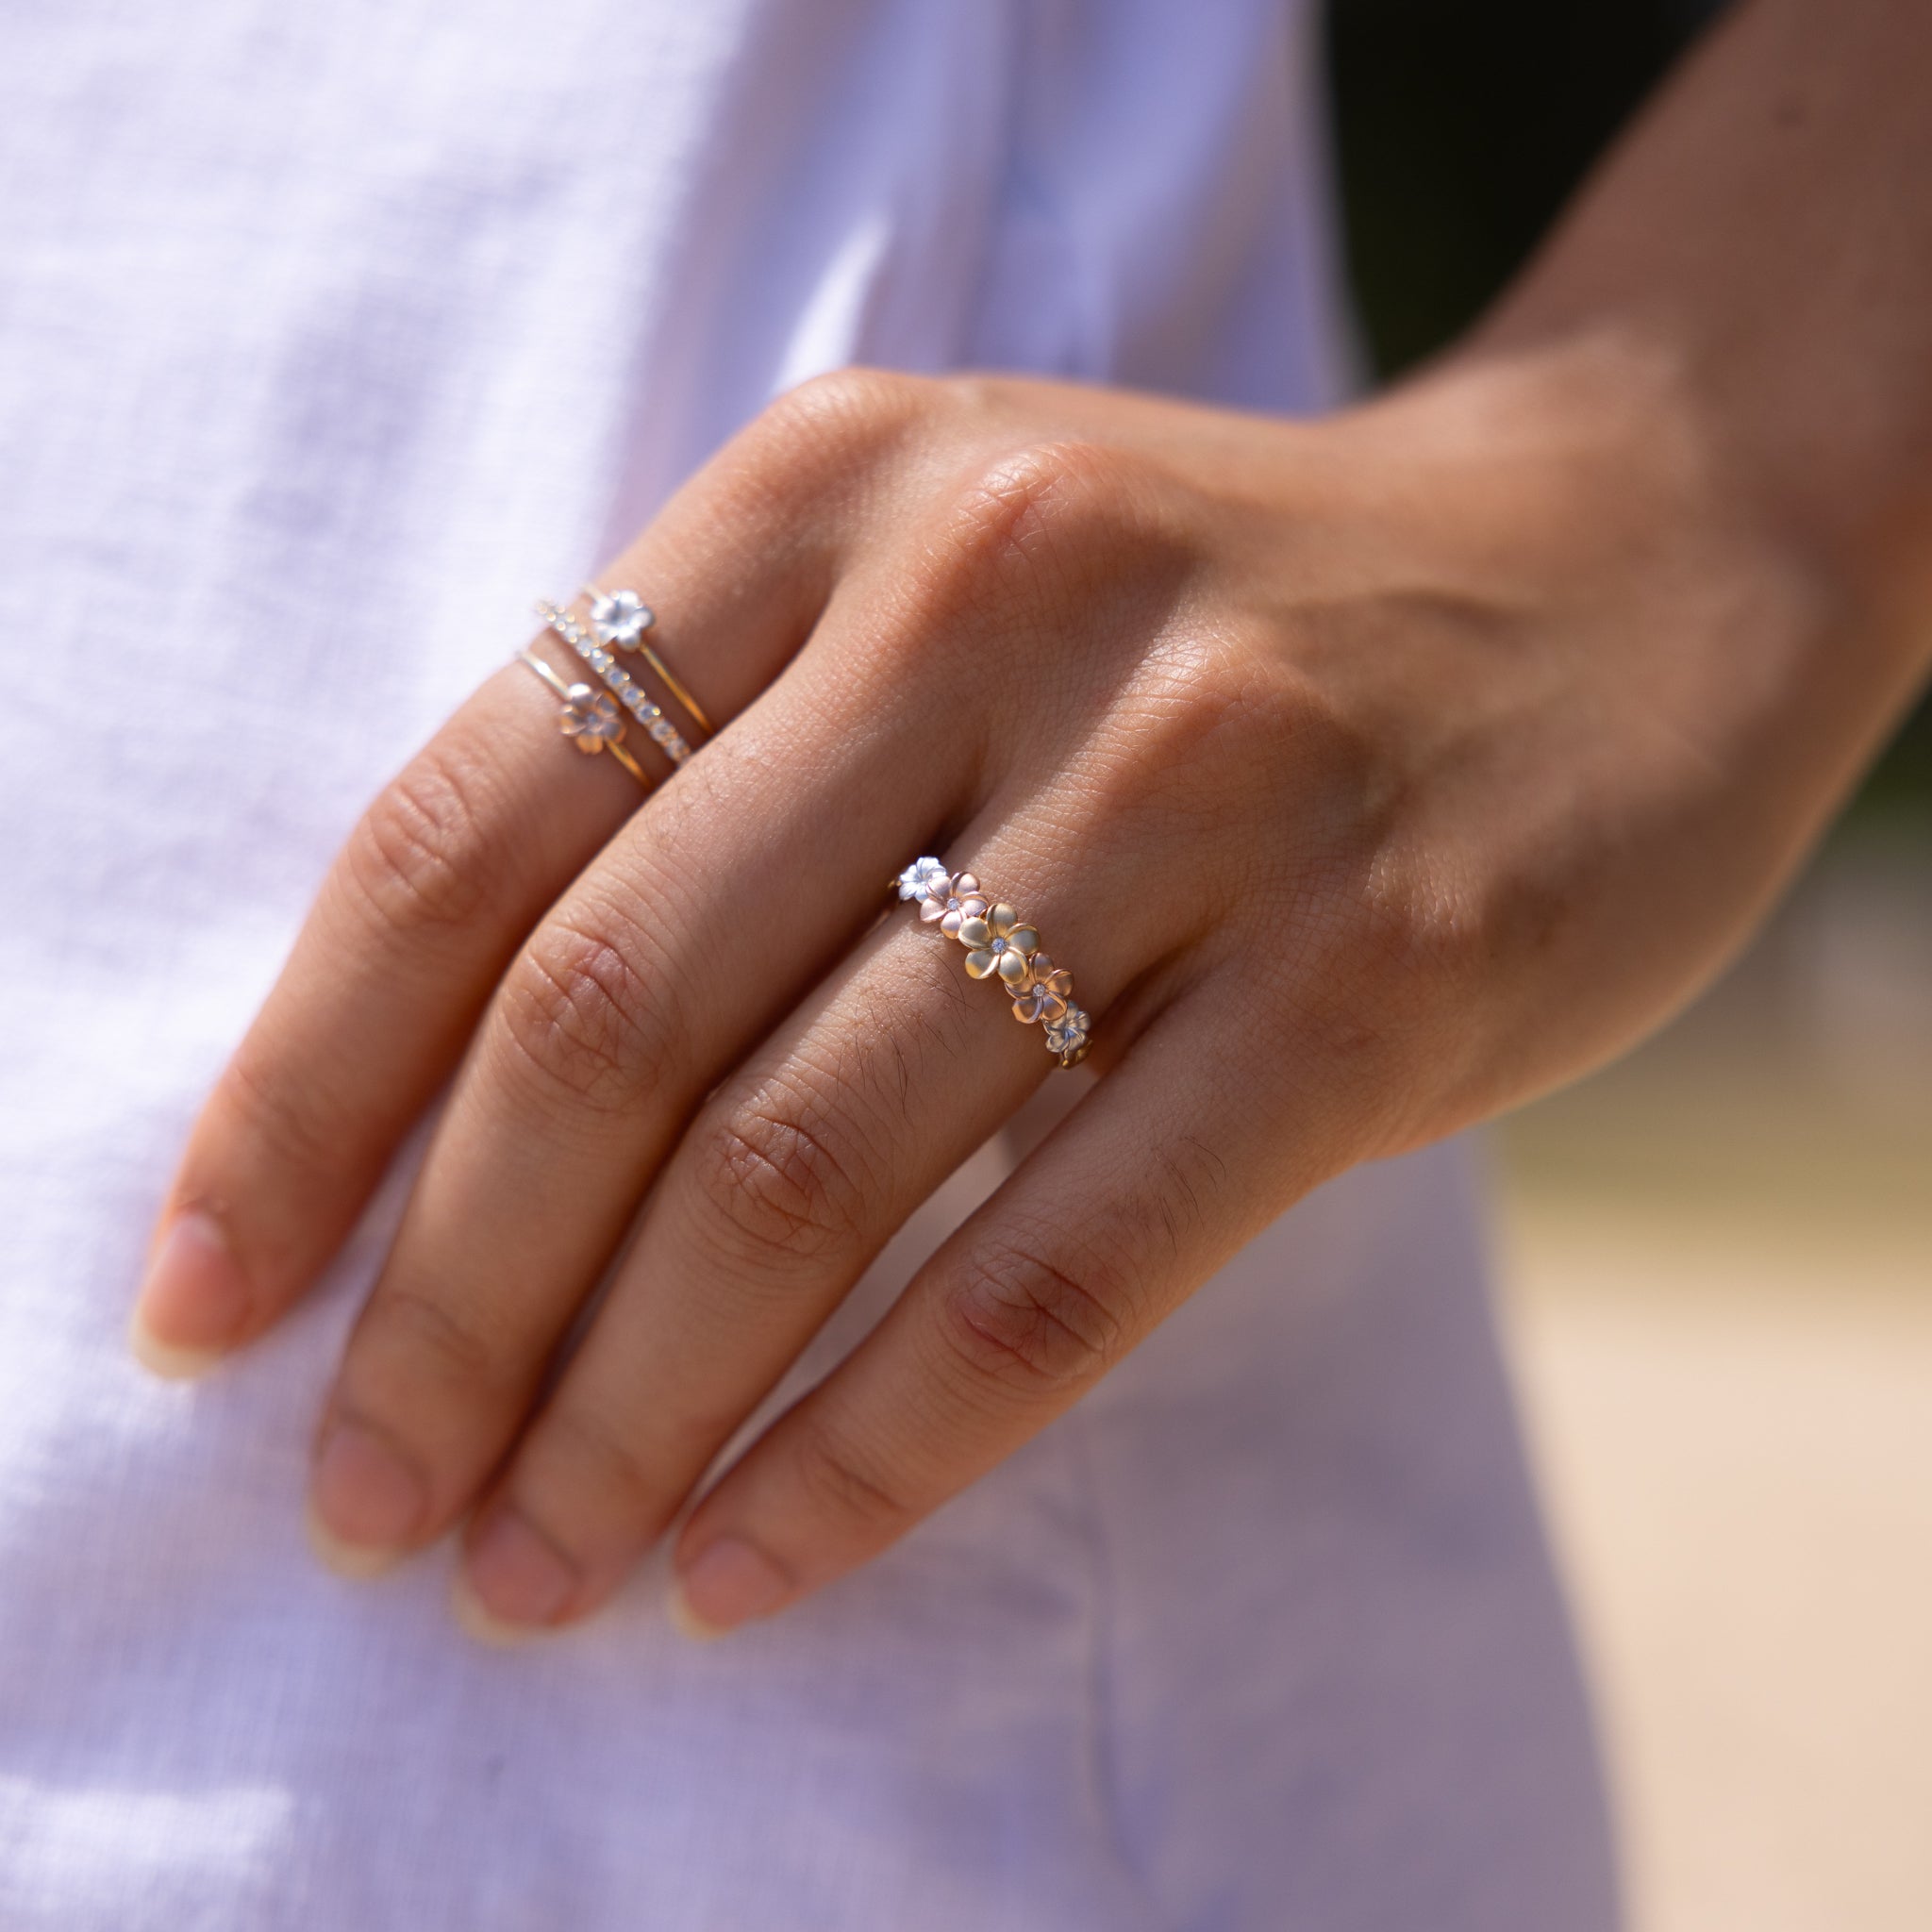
(955, 904)
(922, 878)
(1000, 944)
(620, 618)
(1045, 997)
(590, 718)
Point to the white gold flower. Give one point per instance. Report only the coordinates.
(620, 618)
(922, 878)
(1067, 1036)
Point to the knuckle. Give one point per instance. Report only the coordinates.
(419, 856)
(846, 417)
(841, 1482)
(1059, 524)
(415, 1338)
(295, 1120)
(1017, 1320)
(579, 1015)
(774, 1176)
(596, 1459)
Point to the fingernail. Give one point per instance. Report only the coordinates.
(727, 1583)
(514, 1580)
(195, 1302)
(367, 1501)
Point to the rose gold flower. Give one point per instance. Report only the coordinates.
(1045, 997)
(954, 905)
(589, 718)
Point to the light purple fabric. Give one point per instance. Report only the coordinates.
(328, 336)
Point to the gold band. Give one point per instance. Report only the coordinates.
(588, 717)
(630, 637)
(622, 686)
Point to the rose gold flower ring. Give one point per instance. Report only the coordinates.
(587, 716)
(1001, 945)
(623, 686)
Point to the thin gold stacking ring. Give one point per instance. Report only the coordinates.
(622, 686)
(620, 618)
(588, 717)
(1002, 946)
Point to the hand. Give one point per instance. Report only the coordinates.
(1370, 775)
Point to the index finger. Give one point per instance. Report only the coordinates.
(437, 887)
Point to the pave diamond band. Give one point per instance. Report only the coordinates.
(621, 618)
(625, 688)
(1002, 946)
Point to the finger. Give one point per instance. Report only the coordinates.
(781, 1194)
(712, 913)
(1133, 1201)
(430, 898)
(708, 919)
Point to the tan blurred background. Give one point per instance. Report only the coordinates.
(1719, 1297)
(1718, 1254)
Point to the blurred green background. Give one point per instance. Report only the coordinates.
(1462, 126)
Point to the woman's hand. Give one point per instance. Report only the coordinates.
(1370, 775)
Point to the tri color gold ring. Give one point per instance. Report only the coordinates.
(1002, 946)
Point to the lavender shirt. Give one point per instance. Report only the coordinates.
(329, 335)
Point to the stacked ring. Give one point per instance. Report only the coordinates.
(621, 618)
(628, 692)
(1001, 945)
(587, 716)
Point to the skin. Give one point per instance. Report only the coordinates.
(1373, 775)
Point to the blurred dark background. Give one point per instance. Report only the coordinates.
(1462, 126)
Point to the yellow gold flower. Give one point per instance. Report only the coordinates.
(1000, 945)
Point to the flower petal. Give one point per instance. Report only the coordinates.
(1005, 918)
(933, 908)
(974, 932)
(1024, 939)
(1012, 969)
(981, 962)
